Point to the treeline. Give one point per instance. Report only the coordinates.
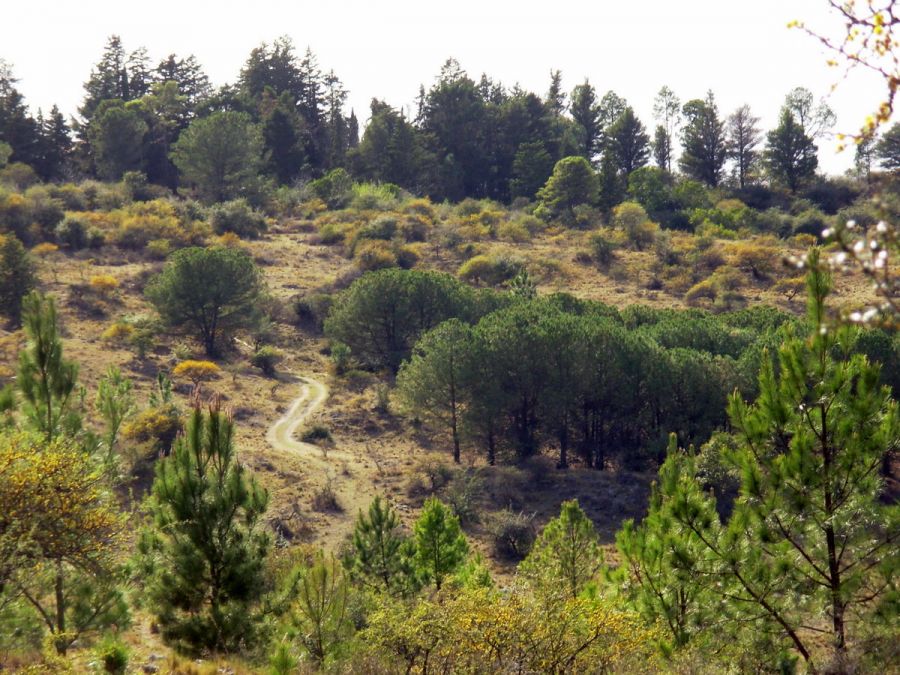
(285, 118)
(511, 374)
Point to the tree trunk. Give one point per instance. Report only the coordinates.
(60, 610)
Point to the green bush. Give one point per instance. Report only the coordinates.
(317, 433)
(113, 654)
(266, 358)
(239, 217)
(603, 250)
(491, 269)
(334, 188)
(72, 233)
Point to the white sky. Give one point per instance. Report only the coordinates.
(741, 50)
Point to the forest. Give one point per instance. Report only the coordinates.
(518, 383)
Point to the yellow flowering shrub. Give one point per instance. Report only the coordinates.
(104, 284)
(196, 371)
(118, 333)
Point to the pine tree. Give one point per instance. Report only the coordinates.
(704, 142)
(628, 142)
(662, 148)
(381, 555)
(322, 608)
(432, 383)
(45, 379)
(809, 545)
(566, 553)
(441, 546)
(204, 558)
(791, 155)
(17, 276)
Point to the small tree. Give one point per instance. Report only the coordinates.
(115, 404)
(572, 182)
(221, 155)
(17, 277)
(209, 290)
(45, 379)
(57, 512)
(381, 555)
(204, 558)
(790, 154)
(566, 552)
(322, 613)
(440, 544)
(432, 382)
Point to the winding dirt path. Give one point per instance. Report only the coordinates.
(282, 435)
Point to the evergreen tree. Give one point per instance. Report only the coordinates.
(381, 556)
(188, 75)
(704, 141)
(220, 155)
(662, 148)
(116, 136)
(573, 182)
(56, 146)
(18, 129)
(204, 558)
(565, 553)
(432, 383)
(808, 544)
(666, 111)
(17, 277)
(531, 168)
(585, 110)
(210, 290)
(556, 97)
(45, 379)
(322, 608)
(628, 142)
(610, 189)
(888, 148)
(441, 546)
(791, 155)
(743, 137)
(283, 133)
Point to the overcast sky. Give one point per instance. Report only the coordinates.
(741, 50)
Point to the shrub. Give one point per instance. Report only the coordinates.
(156, 425)
(375, 255)
(317, 433)
(72, 232)
(325, 499)
(239, 217)
(463, 495)
(491, 269)
(158, 249)
(414, 227)
(603, 250)
(758, 257)
(118, 333)
(266, 358)
(435, 469)
(419, 207)
(196, 371)
(113, 654)
(632, 219)
(334, 188)
(514, 231)
(44, 249)
(512, 534)
(341, 358)
(104, 284)
(311, 310)
(373, 196)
